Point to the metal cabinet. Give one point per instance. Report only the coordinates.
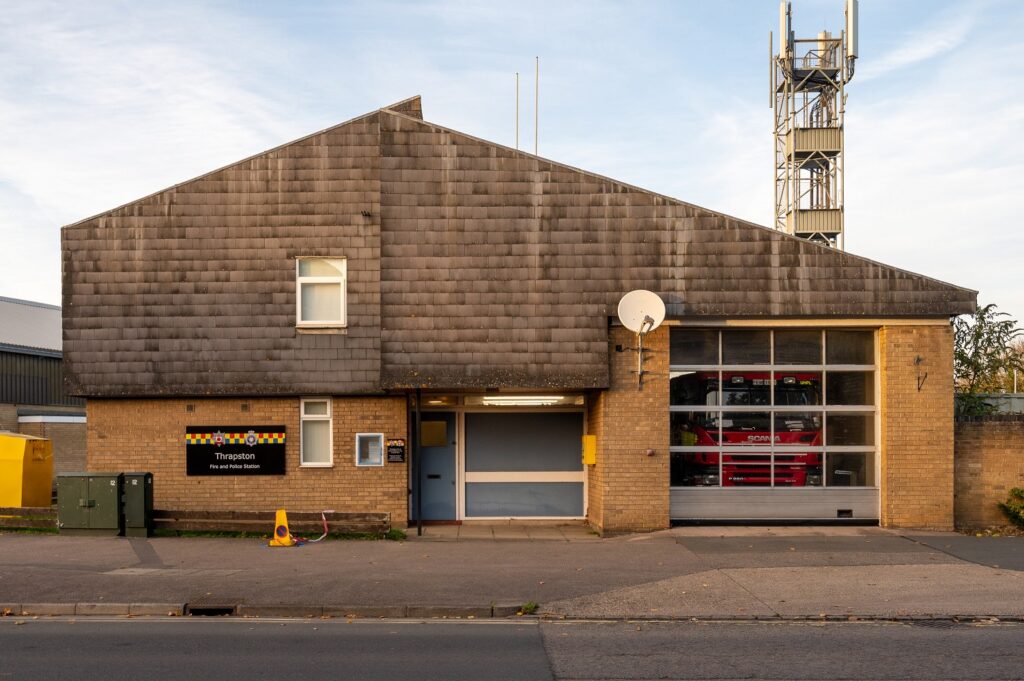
(90, 503)
(138, 504)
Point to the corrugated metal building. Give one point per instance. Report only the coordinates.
(301, 298)
(33, 398)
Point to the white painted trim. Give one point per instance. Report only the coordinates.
(383, 456)
(462, 476)
(329, 417)
(526, 476)
(552, 518)
(341, 280)
(51, 419)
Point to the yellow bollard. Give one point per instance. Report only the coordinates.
(282, 536)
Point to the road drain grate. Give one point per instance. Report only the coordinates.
(210, 610)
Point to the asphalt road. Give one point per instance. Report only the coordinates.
(382, 650)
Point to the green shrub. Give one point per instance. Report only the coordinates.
(1014, 507)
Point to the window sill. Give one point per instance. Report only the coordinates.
(340, 330)
(370, 465)
(316, 465)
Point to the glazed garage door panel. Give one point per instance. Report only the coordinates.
(523, 465)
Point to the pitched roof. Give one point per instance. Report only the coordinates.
(29, 327)
(470, 264)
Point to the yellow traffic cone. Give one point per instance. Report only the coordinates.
(282, 536)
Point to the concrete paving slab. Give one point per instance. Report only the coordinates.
(998, 552)
(801, 550)
(47, 608)
(542, 533)
(886, 590)
(450, 611)
(280, 610)
(510, 532)
(366, 611)
(703, 594)
(102, 609)
(476, 532)
(157, 609)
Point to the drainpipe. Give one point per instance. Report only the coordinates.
(417, 484)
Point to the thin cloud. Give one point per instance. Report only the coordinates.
(936, 40)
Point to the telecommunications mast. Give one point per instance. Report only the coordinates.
(808, 80)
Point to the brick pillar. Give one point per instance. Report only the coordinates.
(628, 489)
(917, 426)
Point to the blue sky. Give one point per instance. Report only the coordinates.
(104, 102)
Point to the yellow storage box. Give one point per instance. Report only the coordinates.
(26, 470)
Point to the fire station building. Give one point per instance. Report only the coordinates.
(271, 334)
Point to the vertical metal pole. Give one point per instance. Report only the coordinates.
(417, 481)
(536, 101)
(639, 361)
(517, 111)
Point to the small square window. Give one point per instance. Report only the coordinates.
(316, 439)
(369, 449)
(320, 292)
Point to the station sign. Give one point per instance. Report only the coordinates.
(235, 450)
(396, 450)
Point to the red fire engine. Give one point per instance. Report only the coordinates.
(753, 466)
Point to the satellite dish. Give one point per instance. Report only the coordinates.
(641, 311)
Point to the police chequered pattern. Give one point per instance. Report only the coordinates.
(234, 438)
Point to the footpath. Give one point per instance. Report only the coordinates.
(713, 573)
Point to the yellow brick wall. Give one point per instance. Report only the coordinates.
(917, 426)
(628, 488)
(68, 441)
(149, 435)
(989, 462)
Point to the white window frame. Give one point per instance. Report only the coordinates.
(329, 417)
(380, 437)
(342, 281)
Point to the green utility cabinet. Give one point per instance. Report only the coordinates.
(90, 503)
(138, 504)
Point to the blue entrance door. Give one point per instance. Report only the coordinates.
(437, 466)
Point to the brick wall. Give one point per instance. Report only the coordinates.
(917, 426)
(9, 417)
(628, 488)
(989, 461)
(68, 440)
(149, 435)
(595, 477)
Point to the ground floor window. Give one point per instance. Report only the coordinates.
(315, 438)
(772, 407)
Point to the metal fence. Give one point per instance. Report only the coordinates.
(1006, 403)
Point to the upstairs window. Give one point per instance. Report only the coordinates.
(320, 292)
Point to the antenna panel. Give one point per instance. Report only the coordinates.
(641, 311)
(785, 27)
(851, 29)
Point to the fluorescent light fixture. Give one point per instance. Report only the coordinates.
(522, 400)
(435, 401)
